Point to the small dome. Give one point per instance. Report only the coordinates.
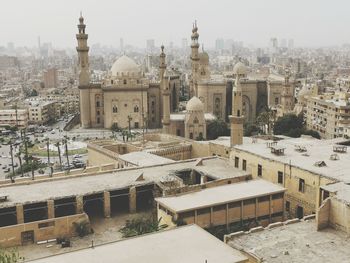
(240, 69)
(204, 58)
(124, 65)
(194, 104)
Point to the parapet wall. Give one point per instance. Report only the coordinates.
(230, 237)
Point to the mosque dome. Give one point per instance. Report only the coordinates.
(204, 58)
(124, 66)
(194, 104)
(240, 69)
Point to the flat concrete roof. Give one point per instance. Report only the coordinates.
(341, 190)
(144, 158)
(188, 244)
(219, 195)
(316, 151)
(299, 242)
(117, 179)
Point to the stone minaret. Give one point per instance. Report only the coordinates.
(287, 98)
(84, 74)
(162, 64)
(194, 61)
(164, 83)
(236, 118)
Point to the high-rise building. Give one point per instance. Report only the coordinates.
(50, 78)
(219, 44)
(291, 43)
(184, 44)
(150, 45)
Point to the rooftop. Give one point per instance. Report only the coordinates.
(316, 151)
(144, 159)
(299, 242)
(220, 195)
(187, 244)
(110, 180)
(341, 190)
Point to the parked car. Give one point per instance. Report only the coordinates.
(77, 156)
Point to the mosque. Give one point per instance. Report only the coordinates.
(126, 98)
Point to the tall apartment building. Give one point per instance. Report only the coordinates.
(12, 117)
(50, 78)
(42, 112)
(328, 114)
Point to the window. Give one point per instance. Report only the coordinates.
(136, 125)
(195, 120)
(191, 135)
(97, 104)
(280, 177)
(276, 101)
(98, 120)
(136, 108)
(178, 133)
(124, 81)
(244, 165)
(115, 109)
(236, 162)
(259, 170)
(301, 185)
(238, 113)
(46, 224)
(287, 206)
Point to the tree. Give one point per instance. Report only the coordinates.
(251, 129)
(66, 149)
(141, 225)
(217, 128)
(288, 122)
(10, 256)
(266, 120)
(18, 155)
(34, 93)
(57, 144)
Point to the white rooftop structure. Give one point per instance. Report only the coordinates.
(187, 244)
(219, 195)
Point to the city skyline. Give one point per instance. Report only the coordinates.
(252, 22)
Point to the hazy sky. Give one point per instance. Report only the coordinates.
(308, 22)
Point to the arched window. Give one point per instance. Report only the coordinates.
(124, 81)
(191, 135)
(195, 120)
(115, 109)
(136, 108)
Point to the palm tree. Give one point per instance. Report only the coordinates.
(57, 144)
(66, 149)
(18, 155)
(266, 120)
(25, 147)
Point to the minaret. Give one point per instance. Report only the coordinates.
(164, 84)
(84, 74)
(287, 98)
(162, 64)
(194, 61)
(236, 118)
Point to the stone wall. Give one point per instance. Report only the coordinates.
(43, 230)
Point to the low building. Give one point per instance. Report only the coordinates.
(187, 244)
(254, 200)
(34, 210)
(301, 165)
(13, 118)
